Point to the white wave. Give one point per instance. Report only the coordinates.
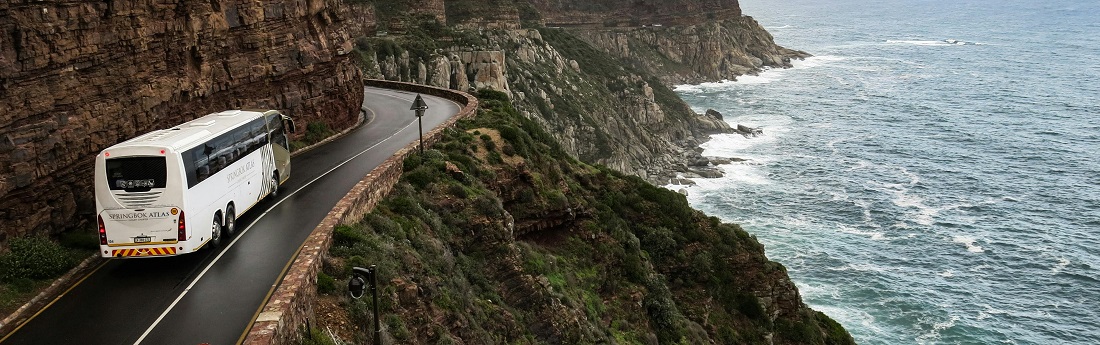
(933, 335)
(1061, 265)
(730, 145)
(874, 235)
(990, 312)
(860, 267)
(947, 274)
(920, 42)
(768, 75)
(860, 164)
(788, 26)
(755, 79)
(913, 178)
(745, 174)
(945, 42)
(925, 214)
(969, 242)
(703, 87)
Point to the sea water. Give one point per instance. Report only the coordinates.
(932, 174)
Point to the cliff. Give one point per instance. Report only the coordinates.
(497, 236)
(633, 13)
(77, 77)
(708, 51)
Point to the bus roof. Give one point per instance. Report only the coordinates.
(187, 134)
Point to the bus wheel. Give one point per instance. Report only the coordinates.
(274, 185)
(216, 231)
(230, 220)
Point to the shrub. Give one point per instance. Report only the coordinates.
(347, 236)
(34, 258)
(317, 131)
(325, 283)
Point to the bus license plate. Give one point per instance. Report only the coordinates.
(142, 239)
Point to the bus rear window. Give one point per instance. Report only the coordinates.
(136, 174)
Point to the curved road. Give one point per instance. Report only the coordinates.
(212, 296)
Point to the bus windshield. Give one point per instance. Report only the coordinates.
(136, 174)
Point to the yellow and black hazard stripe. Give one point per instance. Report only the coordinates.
(143, 252)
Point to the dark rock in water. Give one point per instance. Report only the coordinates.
(699, 162)
(680, 181)
(708, 173)
(721, 160)
(748, 131)
(714, 113)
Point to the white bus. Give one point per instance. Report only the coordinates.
(173, 191)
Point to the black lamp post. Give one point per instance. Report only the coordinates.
(419, 106)
(358, 285)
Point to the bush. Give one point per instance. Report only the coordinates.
(346, 236)
(317, 131)
(34, 258)
(325, 283)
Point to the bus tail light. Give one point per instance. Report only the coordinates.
(102, 231)
(182, 234)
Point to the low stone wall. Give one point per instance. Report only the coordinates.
(286, 311)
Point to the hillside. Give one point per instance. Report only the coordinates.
(498, 236)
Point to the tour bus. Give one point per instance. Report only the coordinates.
(174, 191)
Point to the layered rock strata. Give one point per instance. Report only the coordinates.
(707, 51)
(77, 77)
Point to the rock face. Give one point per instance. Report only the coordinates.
(590, 13)
(77, 77)
(709, 51)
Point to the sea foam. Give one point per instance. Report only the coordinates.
(969, 242)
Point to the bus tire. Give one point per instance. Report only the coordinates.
(230, 226)
(216, 230)
(274, 185)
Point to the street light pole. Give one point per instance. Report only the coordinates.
(419, 106)
(360, 279)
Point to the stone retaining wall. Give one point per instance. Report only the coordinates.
(288, 308)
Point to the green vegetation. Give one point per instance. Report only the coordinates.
(506, 239)
(315, 133)
(32, 263)
(316, 336)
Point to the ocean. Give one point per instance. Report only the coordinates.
(932, 174)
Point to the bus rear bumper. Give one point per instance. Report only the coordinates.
(152, 251)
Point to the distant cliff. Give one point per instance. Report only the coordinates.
(76, 77)
(600, 84)
(708, 51)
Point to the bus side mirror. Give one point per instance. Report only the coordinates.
(289, 124)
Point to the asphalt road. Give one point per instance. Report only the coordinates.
(212, 296)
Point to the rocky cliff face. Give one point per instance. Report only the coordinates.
(708, 51)
(76, 77)
(587, 13)
(601, 110)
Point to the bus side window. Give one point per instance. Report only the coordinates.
(278, 132)
(203, 173)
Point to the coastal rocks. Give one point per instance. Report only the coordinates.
(80, 76)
